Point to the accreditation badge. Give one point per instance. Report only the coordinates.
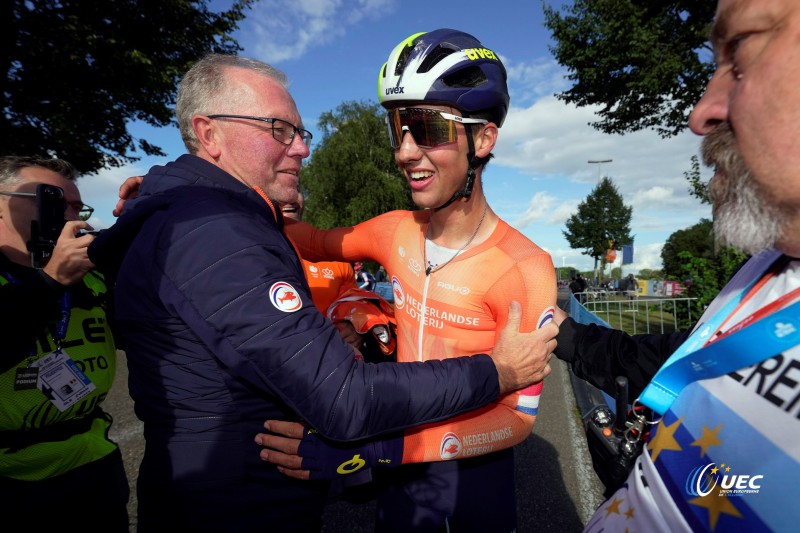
(61, 380)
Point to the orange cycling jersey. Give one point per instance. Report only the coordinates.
(327, 280)
(452, 312)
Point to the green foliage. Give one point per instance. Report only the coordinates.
(708, 276)
(78, 71)
(697, 241)
(601, 217)
(697, 187)
(636, 59)
(352, 175)
(648, 273)
(690, 255)
(565, 272)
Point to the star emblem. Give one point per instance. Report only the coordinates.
(710, 438)
(664, 439)
(716, 504)
(613, 507)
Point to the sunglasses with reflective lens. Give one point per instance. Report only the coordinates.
(428, 127)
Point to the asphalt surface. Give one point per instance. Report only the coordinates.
(557, 489)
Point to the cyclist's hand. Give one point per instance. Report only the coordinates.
(301, 453)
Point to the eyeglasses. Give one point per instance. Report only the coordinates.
(428, 127)
(282, 131)
(84, 211)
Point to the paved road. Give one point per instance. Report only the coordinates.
(556, 487)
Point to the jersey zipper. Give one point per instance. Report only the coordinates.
(423, 316)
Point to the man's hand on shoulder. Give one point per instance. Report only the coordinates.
(128, 191)
(523, 358)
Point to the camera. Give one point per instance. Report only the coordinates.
(614, 441)
(47, 226)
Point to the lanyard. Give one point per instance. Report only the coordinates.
(761, 335)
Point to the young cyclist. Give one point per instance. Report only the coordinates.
(454, 266)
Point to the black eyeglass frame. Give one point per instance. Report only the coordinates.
(84, 213)
(305, 135)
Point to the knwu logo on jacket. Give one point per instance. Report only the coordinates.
(284, 297)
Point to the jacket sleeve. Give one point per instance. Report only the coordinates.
(231, 274)
(599, 355)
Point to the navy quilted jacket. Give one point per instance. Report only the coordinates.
(216, 346)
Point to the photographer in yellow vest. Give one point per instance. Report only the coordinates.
(57, 464)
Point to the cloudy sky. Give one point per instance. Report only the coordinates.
(332, 51)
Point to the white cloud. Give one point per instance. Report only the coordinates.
(101, 191)
(551, 142)
(562, 213)
(539, 207)
(647, 256)
(280, 30)
(529, 82)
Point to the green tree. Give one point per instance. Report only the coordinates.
(565, 273)
(696, 240)
(639, 60)
(79, 71)
(600, 218)
(648, 273)
(697, 187)
(707, 277)
(352, 175)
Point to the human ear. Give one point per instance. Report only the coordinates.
(486, 139)
(207, 135)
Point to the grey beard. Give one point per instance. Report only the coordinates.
(743, 217)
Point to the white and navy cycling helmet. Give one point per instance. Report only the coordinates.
(447, 67)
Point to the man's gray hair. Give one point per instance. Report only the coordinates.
(10, 166)
(205, 87)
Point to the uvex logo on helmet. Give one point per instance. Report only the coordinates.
(394, 90)
(480, 53)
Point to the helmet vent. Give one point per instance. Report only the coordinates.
(402, 59)
(468, 77)
(434, 57)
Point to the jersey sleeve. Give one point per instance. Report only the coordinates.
(347, 276)
(509, 420)
(344, 244)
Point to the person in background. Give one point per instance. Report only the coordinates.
(221, 332)
(725, 455)
(59, 363)
(380, 275)
(578, 286)
(364, 279)
(457, 266)
(328, 280)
